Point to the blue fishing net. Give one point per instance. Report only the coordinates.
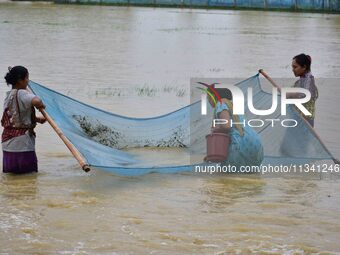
(134, 146)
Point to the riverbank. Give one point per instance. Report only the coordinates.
(316, 6)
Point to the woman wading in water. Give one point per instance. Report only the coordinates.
(19, 121)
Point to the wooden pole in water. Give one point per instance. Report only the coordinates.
(84, 165)
(336, 161)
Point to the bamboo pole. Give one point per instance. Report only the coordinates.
(84, 165)
(336, 161)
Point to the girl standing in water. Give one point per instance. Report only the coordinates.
(19, 121)
(301, 67)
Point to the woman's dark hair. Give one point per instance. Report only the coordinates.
(303, 60)
(16, 74)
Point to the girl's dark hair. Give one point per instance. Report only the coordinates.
(303, 60)
(224, 93)
(16, 74)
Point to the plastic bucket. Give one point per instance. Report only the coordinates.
(217, 147)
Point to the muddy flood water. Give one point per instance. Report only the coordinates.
(96, 53)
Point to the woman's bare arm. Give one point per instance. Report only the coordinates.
(40, 119)
(36, 102)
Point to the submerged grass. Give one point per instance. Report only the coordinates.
(143, 91)
(109, 92)
(152, 91)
